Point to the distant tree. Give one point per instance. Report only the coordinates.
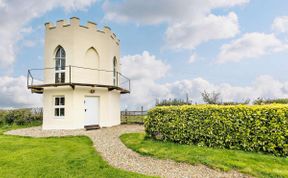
(172, 102)
(247, 101)
(271, 101)
(211, 98)
(258, 101)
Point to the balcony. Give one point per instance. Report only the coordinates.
(38, 79)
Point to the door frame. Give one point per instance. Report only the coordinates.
(99, 111)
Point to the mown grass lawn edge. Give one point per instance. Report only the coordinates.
(71, 156)
(254, 164)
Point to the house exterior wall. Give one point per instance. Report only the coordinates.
(109, 114)
(82, 44)
(114, 102)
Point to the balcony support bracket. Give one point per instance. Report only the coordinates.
(72, 86)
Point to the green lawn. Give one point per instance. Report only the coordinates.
(255, 164)
(53, 157)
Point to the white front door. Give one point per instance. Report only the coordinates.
(91, 110)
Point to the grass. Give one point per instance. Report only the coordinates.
(53, 157)
(255, 164)
(6, 127)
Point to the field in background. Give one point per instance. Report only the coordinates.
(133, 117)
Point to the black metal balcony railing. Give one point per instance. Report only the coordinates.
(37, 79)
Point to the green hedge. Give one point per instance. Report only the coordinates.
(20, 116)
(250, 128)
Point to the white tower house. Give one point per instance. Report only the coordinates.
(81, 82)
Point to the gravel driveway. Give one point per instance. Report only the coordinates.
(106, 141)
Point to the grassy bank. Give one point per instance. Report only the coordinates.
(256, 164)
(53, 157)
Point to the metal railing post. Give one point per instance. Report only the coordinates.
(126, 115)
(70, 74)
(28, 78)
(32, 81)
(117, 79)
(30, 75)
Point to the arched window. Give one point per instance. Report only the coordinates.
(115, 73)
(60, 62)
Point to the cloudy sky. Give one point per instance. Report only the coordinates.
(169, 48)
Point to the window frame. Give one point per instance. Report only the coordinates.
(60, 65)
(115, 72)
(59, 107)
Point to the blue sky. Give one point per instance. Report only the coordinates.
(239, 48)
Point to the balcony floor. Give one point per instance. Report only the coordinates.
(40, 88)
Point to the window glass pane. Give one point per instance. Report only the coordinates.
(57, 67)
(56, 112)
(63, 64)
(114, 67)
(56, 101)
(114, 62)
(58, 53)
(62, 111)
(62, 101)
(60, 59)
(62, 53)
(57, 78)
(62, 77)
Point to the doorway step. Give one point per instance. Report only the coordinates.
(91, 127)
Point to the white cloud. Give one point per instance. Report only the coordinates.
(144, 66)
(193, 58)
(2, 4)
(226, 3)
(189, 34)
(144, 70)
(15, 14)
(14, 93)
(280, 24)
(143, 12)
(250, 45)
(264, 86)
(190, 22)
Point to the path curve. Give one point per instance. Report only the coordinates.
(106, 141)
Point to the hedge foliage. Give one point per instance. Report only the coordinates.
(260, 101)
(20, 116)
(250, 128)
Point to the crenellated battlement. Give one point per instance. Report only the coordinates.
(75, 22)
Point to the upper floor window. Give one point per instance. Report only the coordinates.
(60, 62)
(115, 73)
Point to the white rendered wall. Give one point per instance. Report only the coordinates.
(113, 108)
(109, 103)
(49, 120)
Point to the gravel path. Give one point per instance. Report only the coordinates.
(107, 143)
